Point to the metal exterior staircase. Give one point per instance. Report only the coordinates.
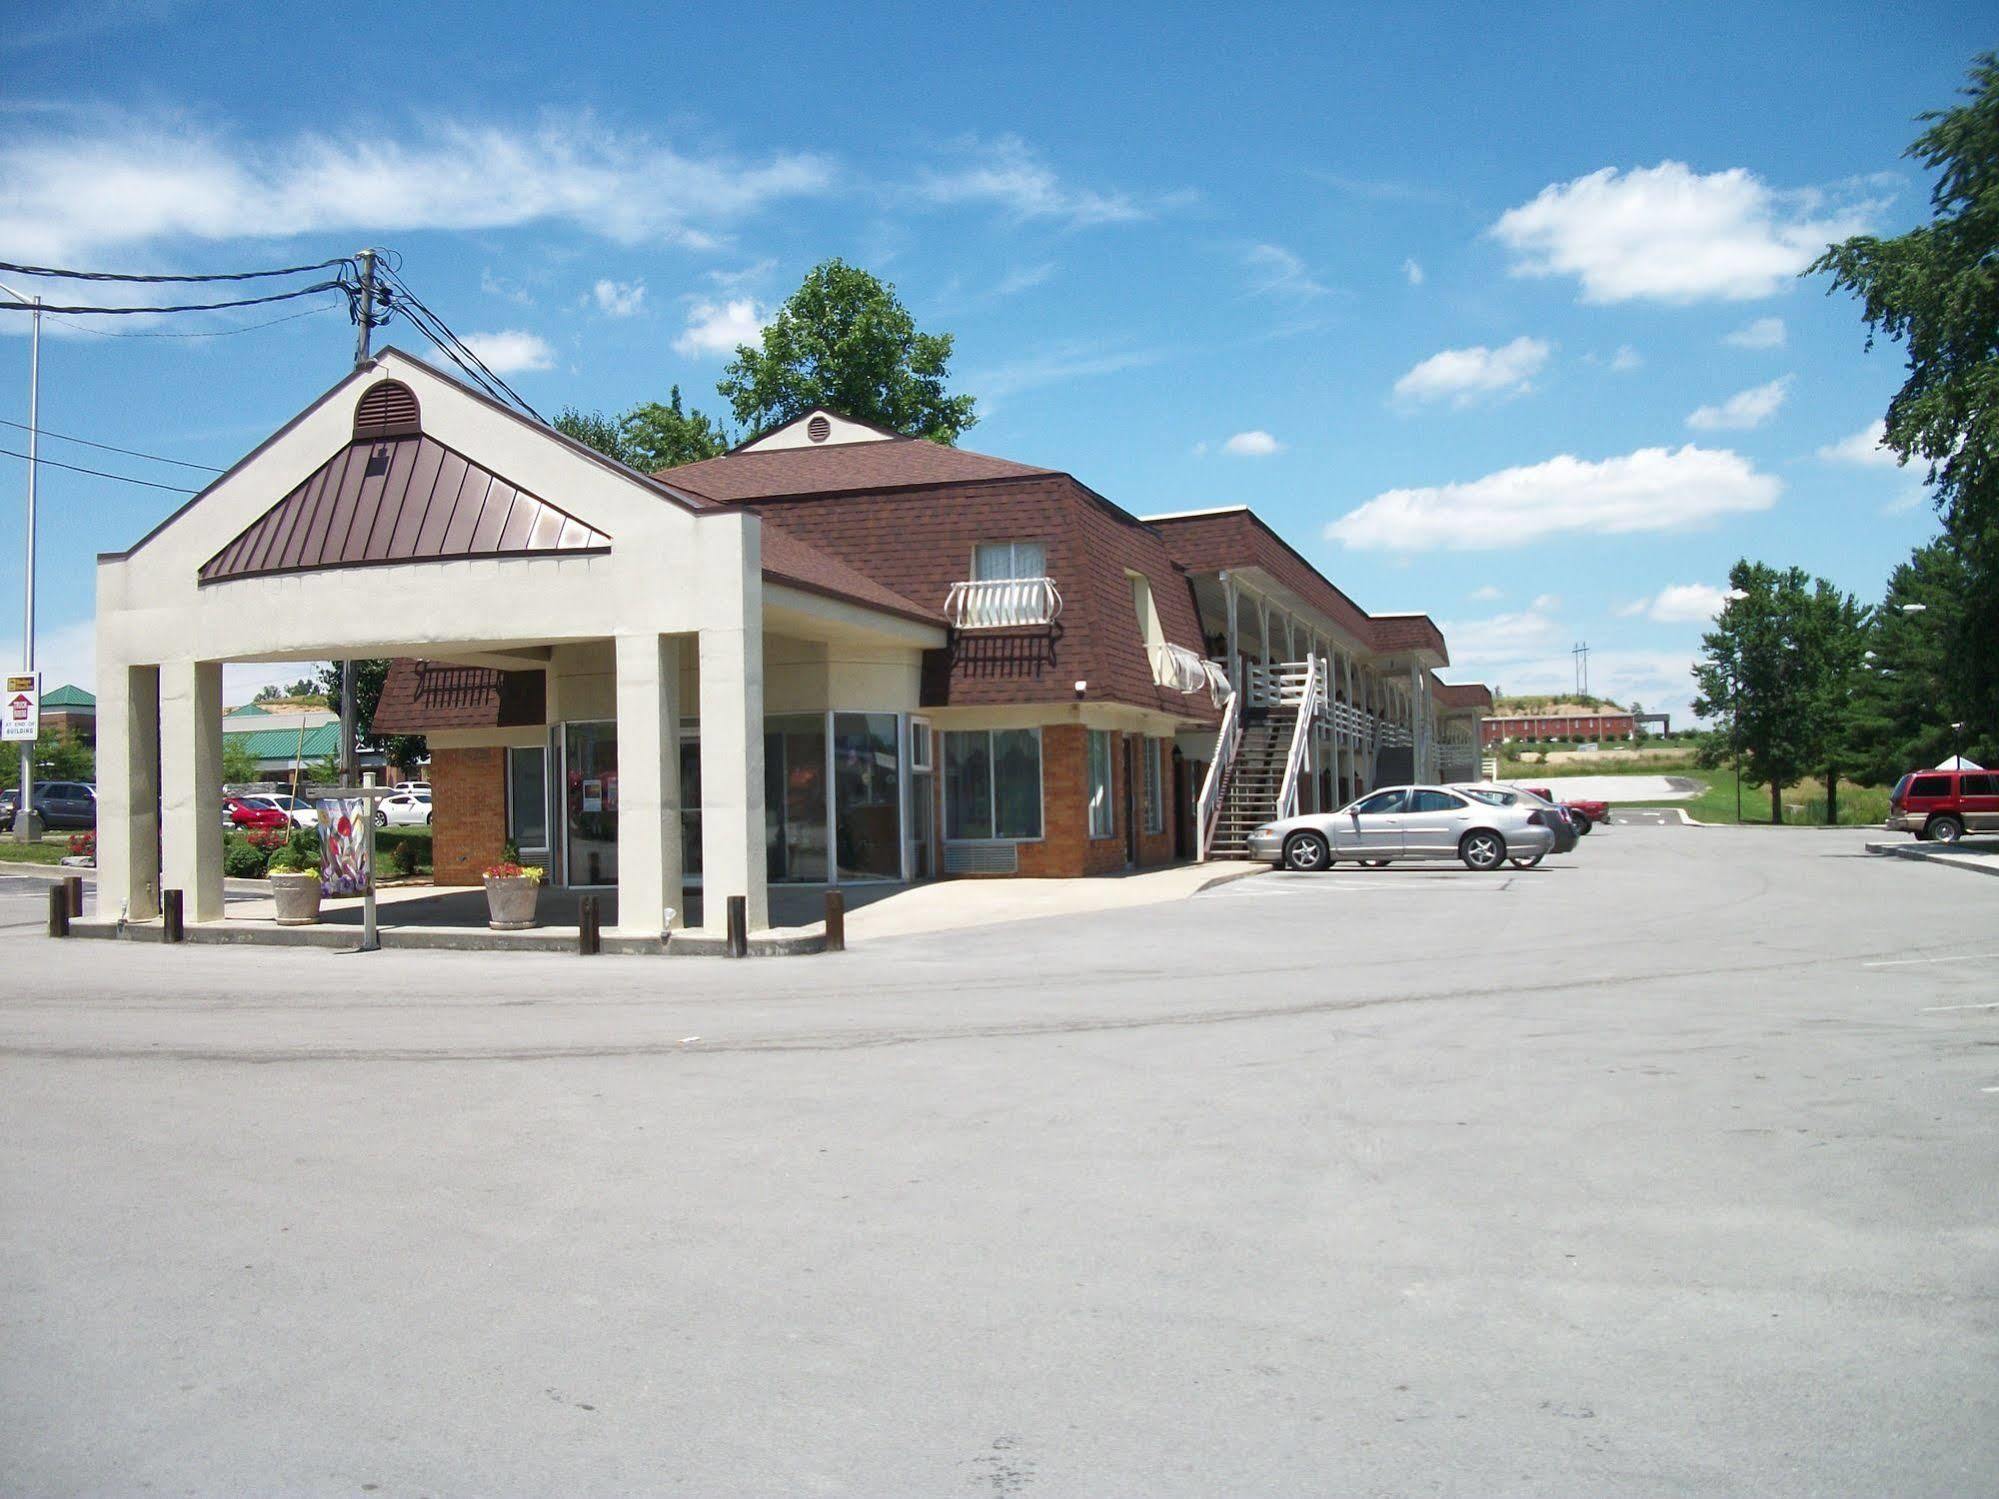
(1253, 787)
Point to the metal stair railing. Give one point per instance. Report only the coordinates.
(1303, 688)
(1227, 739)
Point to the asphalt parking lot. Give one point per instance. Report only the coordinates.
(1663, 1168)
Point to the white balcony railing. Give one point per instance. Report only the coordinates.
(1003, 603)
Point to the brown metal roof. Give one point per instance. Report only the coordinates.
(1462, 694)
(399, 499)
(894, 463)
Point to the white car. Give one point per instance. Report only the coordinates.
(302, 813)
(412, 788)
(403, 811)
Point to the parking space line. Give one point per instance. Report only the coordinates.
(1933, 1009)
(1970, 957)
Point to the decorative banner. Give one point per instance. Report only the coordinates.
(343, 846)
(21, 708)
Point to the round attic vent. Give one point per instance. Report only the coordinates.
(818, 429)
(388, 409)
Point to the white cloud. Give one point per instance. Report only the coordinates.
(1652, 489)
(1744, 411)
(718, 327)
(1670, 234)
(1680, 603)
(1024, 279)
(1464, 375)
(1413, 271)
(1485, 594)
(500, 286)
(1059, 362)
(1253, 444)
(1764, 333)
(1498, 637)
(1008, 174)
(1276, 271)
(1862, 448)
(70, 197)
(1625, 360)
(1546, 602)
(619, 298)
(1903, 503)
(511, 350)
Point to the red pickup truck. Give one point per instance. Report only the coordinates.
(1592, 811)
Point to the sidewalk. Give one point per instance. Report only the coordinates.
(951, 904)
(1979, 855)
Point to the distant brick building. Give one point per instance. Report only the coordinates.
(1606, 723)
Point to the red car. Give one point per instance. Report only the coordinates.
(237, 813)
(1944, 805)
(1592, 812)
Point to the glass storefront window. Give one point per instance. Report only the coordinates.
(795, 797)
(867, 796)
(1103, 818)
(590, 801)
(992, 783)
(527, 799)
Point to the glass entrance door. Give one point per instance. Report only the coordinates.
(590, 801)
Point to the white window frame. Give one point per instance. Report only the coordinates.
(920, 760)
(992, 789)
(1152, 783)
(1091, 737)
(1013, 546)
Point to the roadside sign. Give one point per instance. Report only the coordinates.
(21, 708)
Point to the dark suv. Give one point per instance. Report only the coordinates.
(62, 804)
(1945, 804)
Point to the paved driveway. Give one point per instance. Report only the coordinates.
(1664, 1168)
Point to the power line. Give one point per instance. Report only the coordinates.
(128, 452)
(290, 317)
(452, 346)
(289, 270)
(98, 473)
(283, 296)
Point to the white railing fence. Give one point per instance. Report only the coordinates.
(1299, 683)
(1003, 603)
(1209, 808)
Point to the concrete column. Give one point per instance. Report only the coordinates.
(732, 721)
(128, 792)
(191, 784)
(649, 852)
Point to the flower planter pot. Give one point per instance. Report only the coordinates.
(297, 897)
(510, 902)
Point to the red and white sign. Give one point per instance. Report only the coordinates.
(21, 709)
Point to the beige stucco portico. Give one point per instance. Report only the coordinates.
(266, 565)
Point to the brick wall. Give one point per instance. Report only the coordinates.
(468, 789)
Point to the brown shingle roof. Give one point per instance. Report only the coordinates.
(1407, 632)
(1239, 538)
(895, 463)
(1462, 694)
(789, 558)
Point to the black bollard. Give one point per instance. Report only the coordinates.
(836, 921)
(739, 926)
(587, 938)
(74, 885)
(58, 911)
(170, 916)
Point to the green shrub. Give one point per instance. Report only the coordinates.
(242, 861)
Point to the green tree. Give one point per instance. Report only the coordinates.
(1832, 640)
(369, 676)
(1936, 290)
(594, 430)
(238, 764)
(1755, 683)
(659, 437)
(845, 341)
(1914, 683)
(61, 756)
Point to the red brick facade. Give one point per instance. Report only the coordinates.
(469, 831)
(1558, 726)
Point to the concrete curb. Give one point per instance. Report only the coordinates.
(1932, 855)
(1227, 877)
(462, 939)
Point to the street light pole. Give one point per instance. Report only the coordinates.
(24, 810)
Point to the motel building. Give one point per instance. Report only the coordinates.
(830, 657)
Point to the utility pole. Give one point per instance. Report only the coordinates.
(350, 770)
(25, 808)
(1581, 652)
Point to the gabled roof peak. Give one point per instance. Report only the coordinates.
(818, 428)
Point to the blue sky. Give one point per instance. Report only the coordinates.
(1496, 319)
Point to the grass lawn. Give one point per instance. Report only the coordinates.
(53, 849)
(1859, 806)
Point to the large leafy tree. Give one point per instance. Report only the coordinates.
(370, 675)
(1936, 291)
(845, 341)
(1914, 682)
(1756, 683)
(1832, 641)
(650, 436)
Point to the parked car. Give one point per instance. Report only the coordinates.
(1410, 822)
(1588, 809)
(403, 811)
(302, 813)
(246, 812)
(412, 788)
(1567, 825)
(62, 804)
(1944, 805)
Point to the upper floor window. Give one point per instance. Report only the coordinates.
(995, 561)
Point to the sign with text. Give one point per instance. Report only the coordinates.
(21, 708)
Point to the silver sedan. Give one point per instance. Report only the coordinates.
(1409, 822)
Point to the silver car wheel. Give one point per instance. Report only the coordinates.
(1305, 852)
(1483, 851)
(1946, 829)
